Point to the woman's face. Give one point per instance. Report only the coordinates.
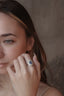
(13, 41)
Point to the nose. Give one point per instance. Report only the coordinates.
(1, 52)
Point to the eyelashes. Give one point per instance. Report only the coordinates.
(8, 41)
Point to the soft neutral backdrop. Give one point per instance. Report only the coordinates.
(48, 18)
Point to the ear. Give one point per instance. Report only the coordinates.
(30, 43)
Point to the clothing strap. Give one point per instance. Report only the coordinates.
(43, 92)
(42, 89)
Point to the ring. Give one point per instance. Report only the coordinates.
(30, 63)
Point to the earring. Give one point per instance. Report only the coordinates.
(26, 51)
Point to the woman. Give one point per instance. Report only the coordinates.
(22, 58)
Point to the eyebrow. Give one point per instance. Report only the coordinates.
(8, 34)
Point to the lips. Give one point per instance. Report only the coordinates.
(3, 64)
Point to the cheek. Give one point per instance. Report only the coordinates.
(14, 51)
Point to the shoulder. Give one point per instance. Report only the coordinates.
(52, 92)
(45, 90)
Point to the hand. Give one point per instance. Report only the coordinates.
(26, 78)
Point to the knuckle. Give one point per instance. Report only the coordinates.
(25, 55)
(19, 57)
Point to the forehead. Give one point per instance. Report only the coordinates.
(9, 24)
(7, 20)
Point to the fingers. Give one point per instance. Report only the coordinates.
(27, 59)
(37, 64)
(17, 66)
(30, 64)
(10, 72)
(24, 64)
(35, 67)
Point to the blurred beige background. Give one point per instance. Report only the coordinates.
(48, 18)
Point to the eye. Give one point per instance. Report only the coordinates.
(8, 41)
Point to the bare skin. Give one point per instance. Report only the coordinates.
(13, 47)
(14, 43)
